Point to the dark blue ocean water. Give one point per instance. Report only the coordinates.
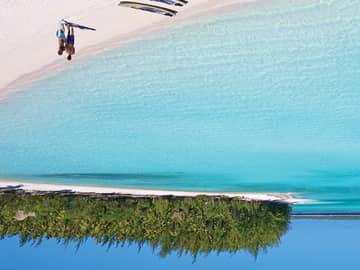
(309, 244)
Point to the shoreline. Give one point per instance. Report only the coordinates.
(136, 26)
(287, 198)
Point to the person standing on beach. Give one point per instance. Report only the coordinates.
(70, 42)
(60, 34)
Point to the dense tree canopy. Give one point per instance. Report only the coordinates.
(196, 225)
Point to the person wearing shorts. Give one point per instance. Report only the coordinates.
(60, 34)
(70, 42)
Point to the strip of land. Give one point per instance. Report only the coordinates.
(29, 46)
(41, 187)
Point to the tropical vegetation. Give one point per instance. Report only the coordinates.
(197, 225)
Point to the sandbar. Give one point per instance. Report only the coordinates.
(135, 192)
(29, 44)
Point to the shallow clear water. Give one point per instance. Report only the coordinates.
(310, 244)
(263, 99)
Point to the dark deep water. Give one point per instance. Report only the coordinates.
(309, 244)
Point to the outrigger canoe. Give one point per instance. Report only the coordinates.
(179, 3)
(149, 8)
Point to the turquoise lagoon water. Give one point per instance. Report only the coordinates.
(265, 98)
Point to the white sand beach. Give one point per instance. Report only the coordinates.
(32, 187)
(29, 45)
